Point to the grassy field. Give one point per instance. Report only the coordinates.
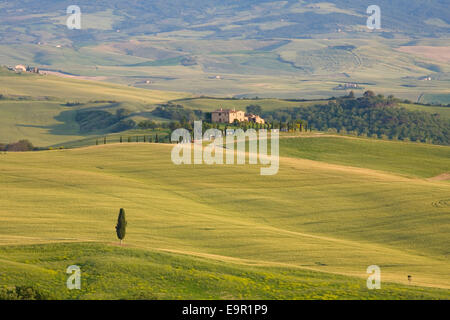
(409, 159)
(443, 111)
(112, 272)
(308, 232)
(436, 98)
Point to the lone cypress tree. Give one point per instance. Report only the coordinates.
(121, 225)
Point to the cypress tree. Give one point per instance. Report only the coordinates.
(104, 140)
(120, 139)
(121, 225)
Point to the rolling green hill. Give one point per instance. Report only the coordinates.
(111, 272)
(409, 159)
(443, 111)
(311, 216)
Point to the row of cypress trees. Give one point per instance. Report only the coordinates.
(150, 139)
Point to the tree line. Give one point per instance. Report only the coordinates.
(369, 115)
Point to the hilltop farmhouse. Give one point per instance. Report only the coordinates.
(22, 68)
(230, 116)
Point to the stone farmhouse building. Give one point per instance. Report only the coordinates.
(229, 116)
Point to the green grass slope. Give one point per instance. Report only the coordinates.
(112, 272)
(311, 216)
(409, 159)
(443, 111)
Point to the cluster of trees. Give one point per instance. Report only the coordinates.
(23, 293)
(179, 113)
(148, 124)
(268, 125)
(370, 115)
(164, 138)
(22, 145)
(254, 109)
(73, 104)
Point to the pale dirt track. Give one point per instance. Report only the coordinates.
(441, 177)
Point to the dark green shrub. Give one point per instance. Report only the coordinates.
(22, 293)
